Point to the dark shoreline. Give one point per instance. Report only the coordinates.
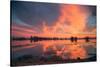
(30, 60)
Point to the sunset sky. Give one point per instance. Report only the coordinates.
(50, 19)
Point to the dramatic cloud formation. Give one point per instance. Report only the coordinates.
(52, 20)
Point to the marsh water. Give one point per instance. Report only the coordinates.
(46, 48)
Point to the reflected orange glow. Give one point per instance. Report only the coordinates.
(77, 51)
(62, 48)
(65, 48)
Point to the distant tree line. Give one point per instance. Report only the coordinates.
(36, 38)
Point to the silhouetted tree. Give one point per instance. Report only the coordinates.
(75, 39)
(87, 39)
(72, 39)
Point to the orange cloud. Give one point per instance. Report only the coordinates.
(72, 19)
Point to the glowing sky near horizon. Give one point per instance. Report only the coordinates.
(49, 19)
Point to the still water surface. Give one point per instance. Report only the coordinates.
(62, 48)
